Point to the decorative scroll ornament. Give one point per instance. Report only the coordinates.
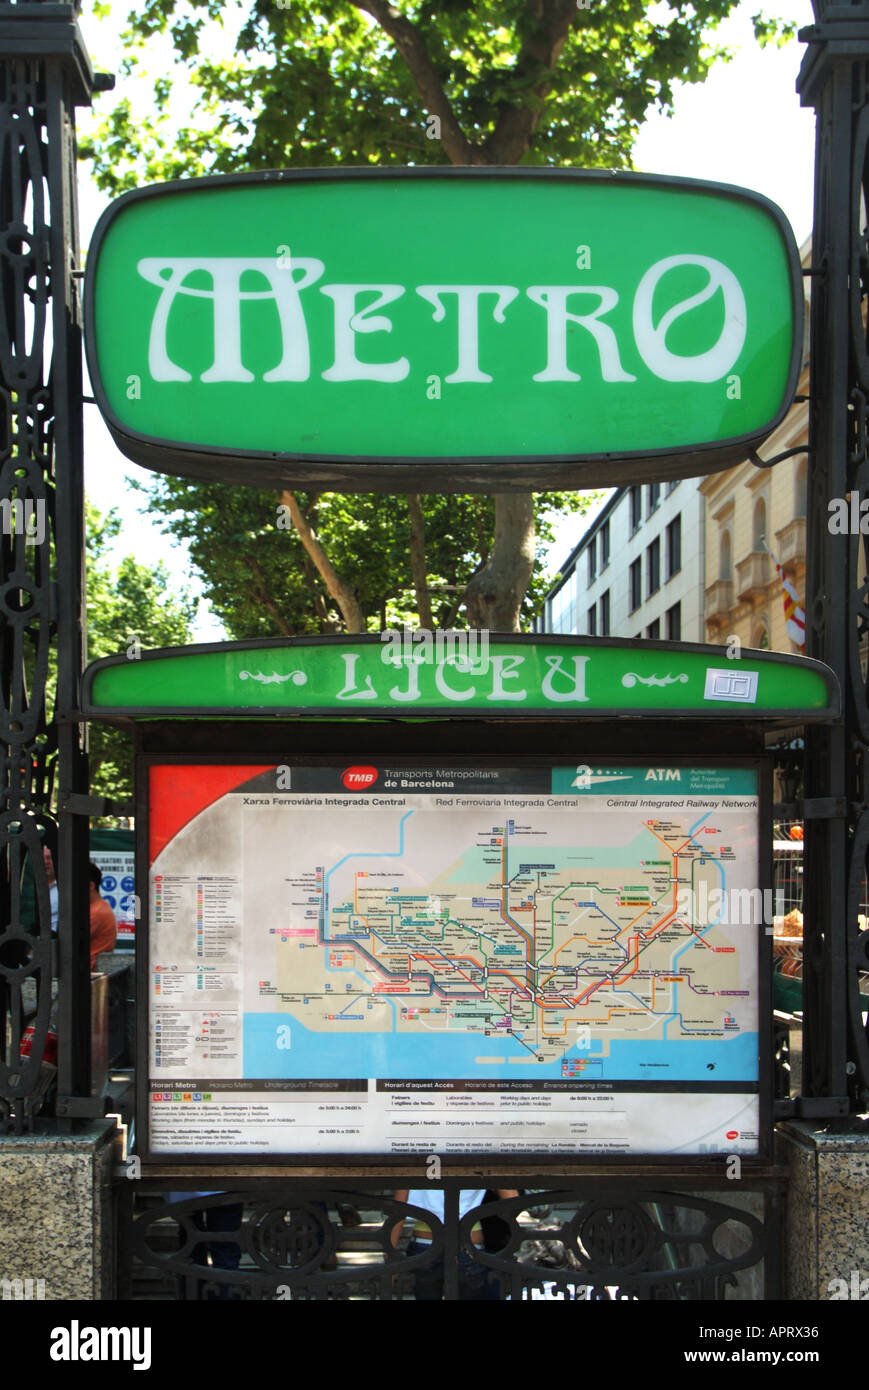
(297, 677)
(630, 678)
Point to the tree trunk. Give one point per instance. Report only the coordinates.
(411, 45)
(343, 594)
(417, 561)
(493, 598)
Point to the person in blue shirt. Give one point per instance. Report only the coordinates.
(476, 1282)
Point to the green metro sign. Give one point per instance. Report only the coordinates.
(458, 675)
(442, 329)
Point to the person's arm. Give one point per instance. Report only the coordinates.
(395, 1234)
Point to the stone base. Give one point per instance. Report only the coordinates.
(827, 1217)
(56, 1238)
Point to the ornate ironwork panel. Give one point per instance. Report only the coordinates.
(43, 74)
(281, 1241)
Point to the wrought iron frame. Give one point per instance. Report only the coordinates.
(834, 79)
(45, 75)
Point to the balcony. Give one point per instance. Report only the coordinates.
(752, 575)
(719, 600)
(791, 542)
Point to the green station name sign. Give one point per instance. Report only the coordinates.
(446, 329)
(468, 675)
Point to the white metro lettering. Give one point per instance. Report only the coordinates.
(468, 297)
(566, 308)
(349, 321)
(651, 341)
(553, 298)
(226, 294)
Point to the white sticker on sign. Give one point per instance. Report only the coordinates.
(731, 685)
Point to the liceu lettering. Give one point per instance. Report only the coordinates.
(564, 682)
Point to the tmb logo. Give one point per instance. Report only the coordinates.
(357, 779)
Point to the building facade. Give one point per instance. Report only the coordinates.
(695, 561)
(638, 570)
(756, 516)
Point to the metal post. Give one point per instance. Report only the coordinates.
(833, 79)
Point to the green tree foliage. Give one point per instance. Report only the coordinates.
(336, 82)
(329, 82)
(260, 580)
(129, 607)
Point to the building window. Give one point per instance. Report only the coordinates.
(653, 567)
(592, 558)
(724, 570)
(674, 623)
(758, 527)
(605, 614)
(636, 508)
(674, 546)
(654, 497)
(636, 584)
(563, 606)
(604, 545)
(653, 631)
(592, 622)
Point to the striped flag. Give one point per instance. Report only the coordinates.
(795, 617)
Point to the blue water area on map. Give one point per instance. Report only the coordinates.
(430, 1056)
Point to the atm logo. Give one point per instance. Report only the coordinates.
(357, 779)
